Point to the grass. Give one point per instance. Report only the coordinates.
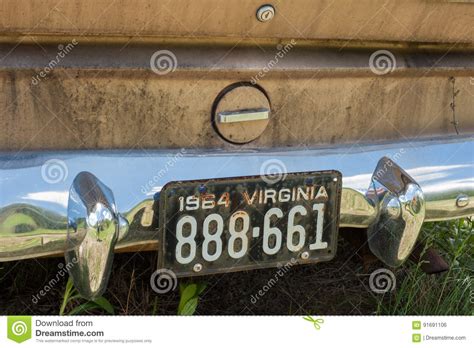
(338, 287)
(450, 293)
(71, 295)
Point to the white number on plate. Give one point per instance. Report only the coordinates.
(182, 240)
(235, 235)
(269, 231)
(295, 229)
(272, 235)
(216, 237)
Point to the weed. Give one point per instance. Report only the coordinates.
(189, 297)
(71, 297)
(439, 294)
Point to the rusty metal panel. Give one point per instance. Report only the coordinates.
(114, 109)
(191, 209)
(354, 20)
(100, 97)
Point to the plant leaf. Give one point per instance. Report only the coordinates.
(83, 308)
(200, 288)
(103, 303)
(67, 295)
(189, 307)
(188, 292)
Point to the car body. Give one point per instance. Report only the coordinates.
(107, 103)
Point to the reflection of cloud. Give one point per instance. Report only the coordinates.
(154, 190)
(436, 169)
(57, 197)
(422, 175)
(448, 185)
(434, 174)
(357, 182)
(430, 177)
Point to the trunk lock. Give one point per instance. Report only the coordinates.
(241, 112)
(265, 13)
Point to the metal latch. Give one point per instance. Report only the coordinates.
(244, 115)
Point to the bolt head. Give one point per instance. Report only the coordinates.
(462, 201)
(265, 13)
(305, 255)
(197, 268)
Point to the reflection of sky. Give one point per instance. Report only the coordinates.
(56, 197)
(134, 176)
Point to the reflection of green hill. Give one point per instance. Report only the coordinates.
(28, 220)
(137, 211)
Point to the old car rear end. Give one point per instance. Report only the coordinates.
(240, 137)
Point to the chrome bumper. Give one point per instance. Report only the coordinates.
(426, 181)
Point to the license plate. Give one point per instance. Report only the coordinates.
(234, 224)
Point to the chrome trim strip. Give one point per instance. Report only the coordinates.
(34, 186)
(212, 59)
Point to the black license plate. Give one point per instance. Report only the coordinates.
(234, 224)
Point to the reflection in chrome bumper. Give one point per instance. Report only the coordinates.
(35, 187)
